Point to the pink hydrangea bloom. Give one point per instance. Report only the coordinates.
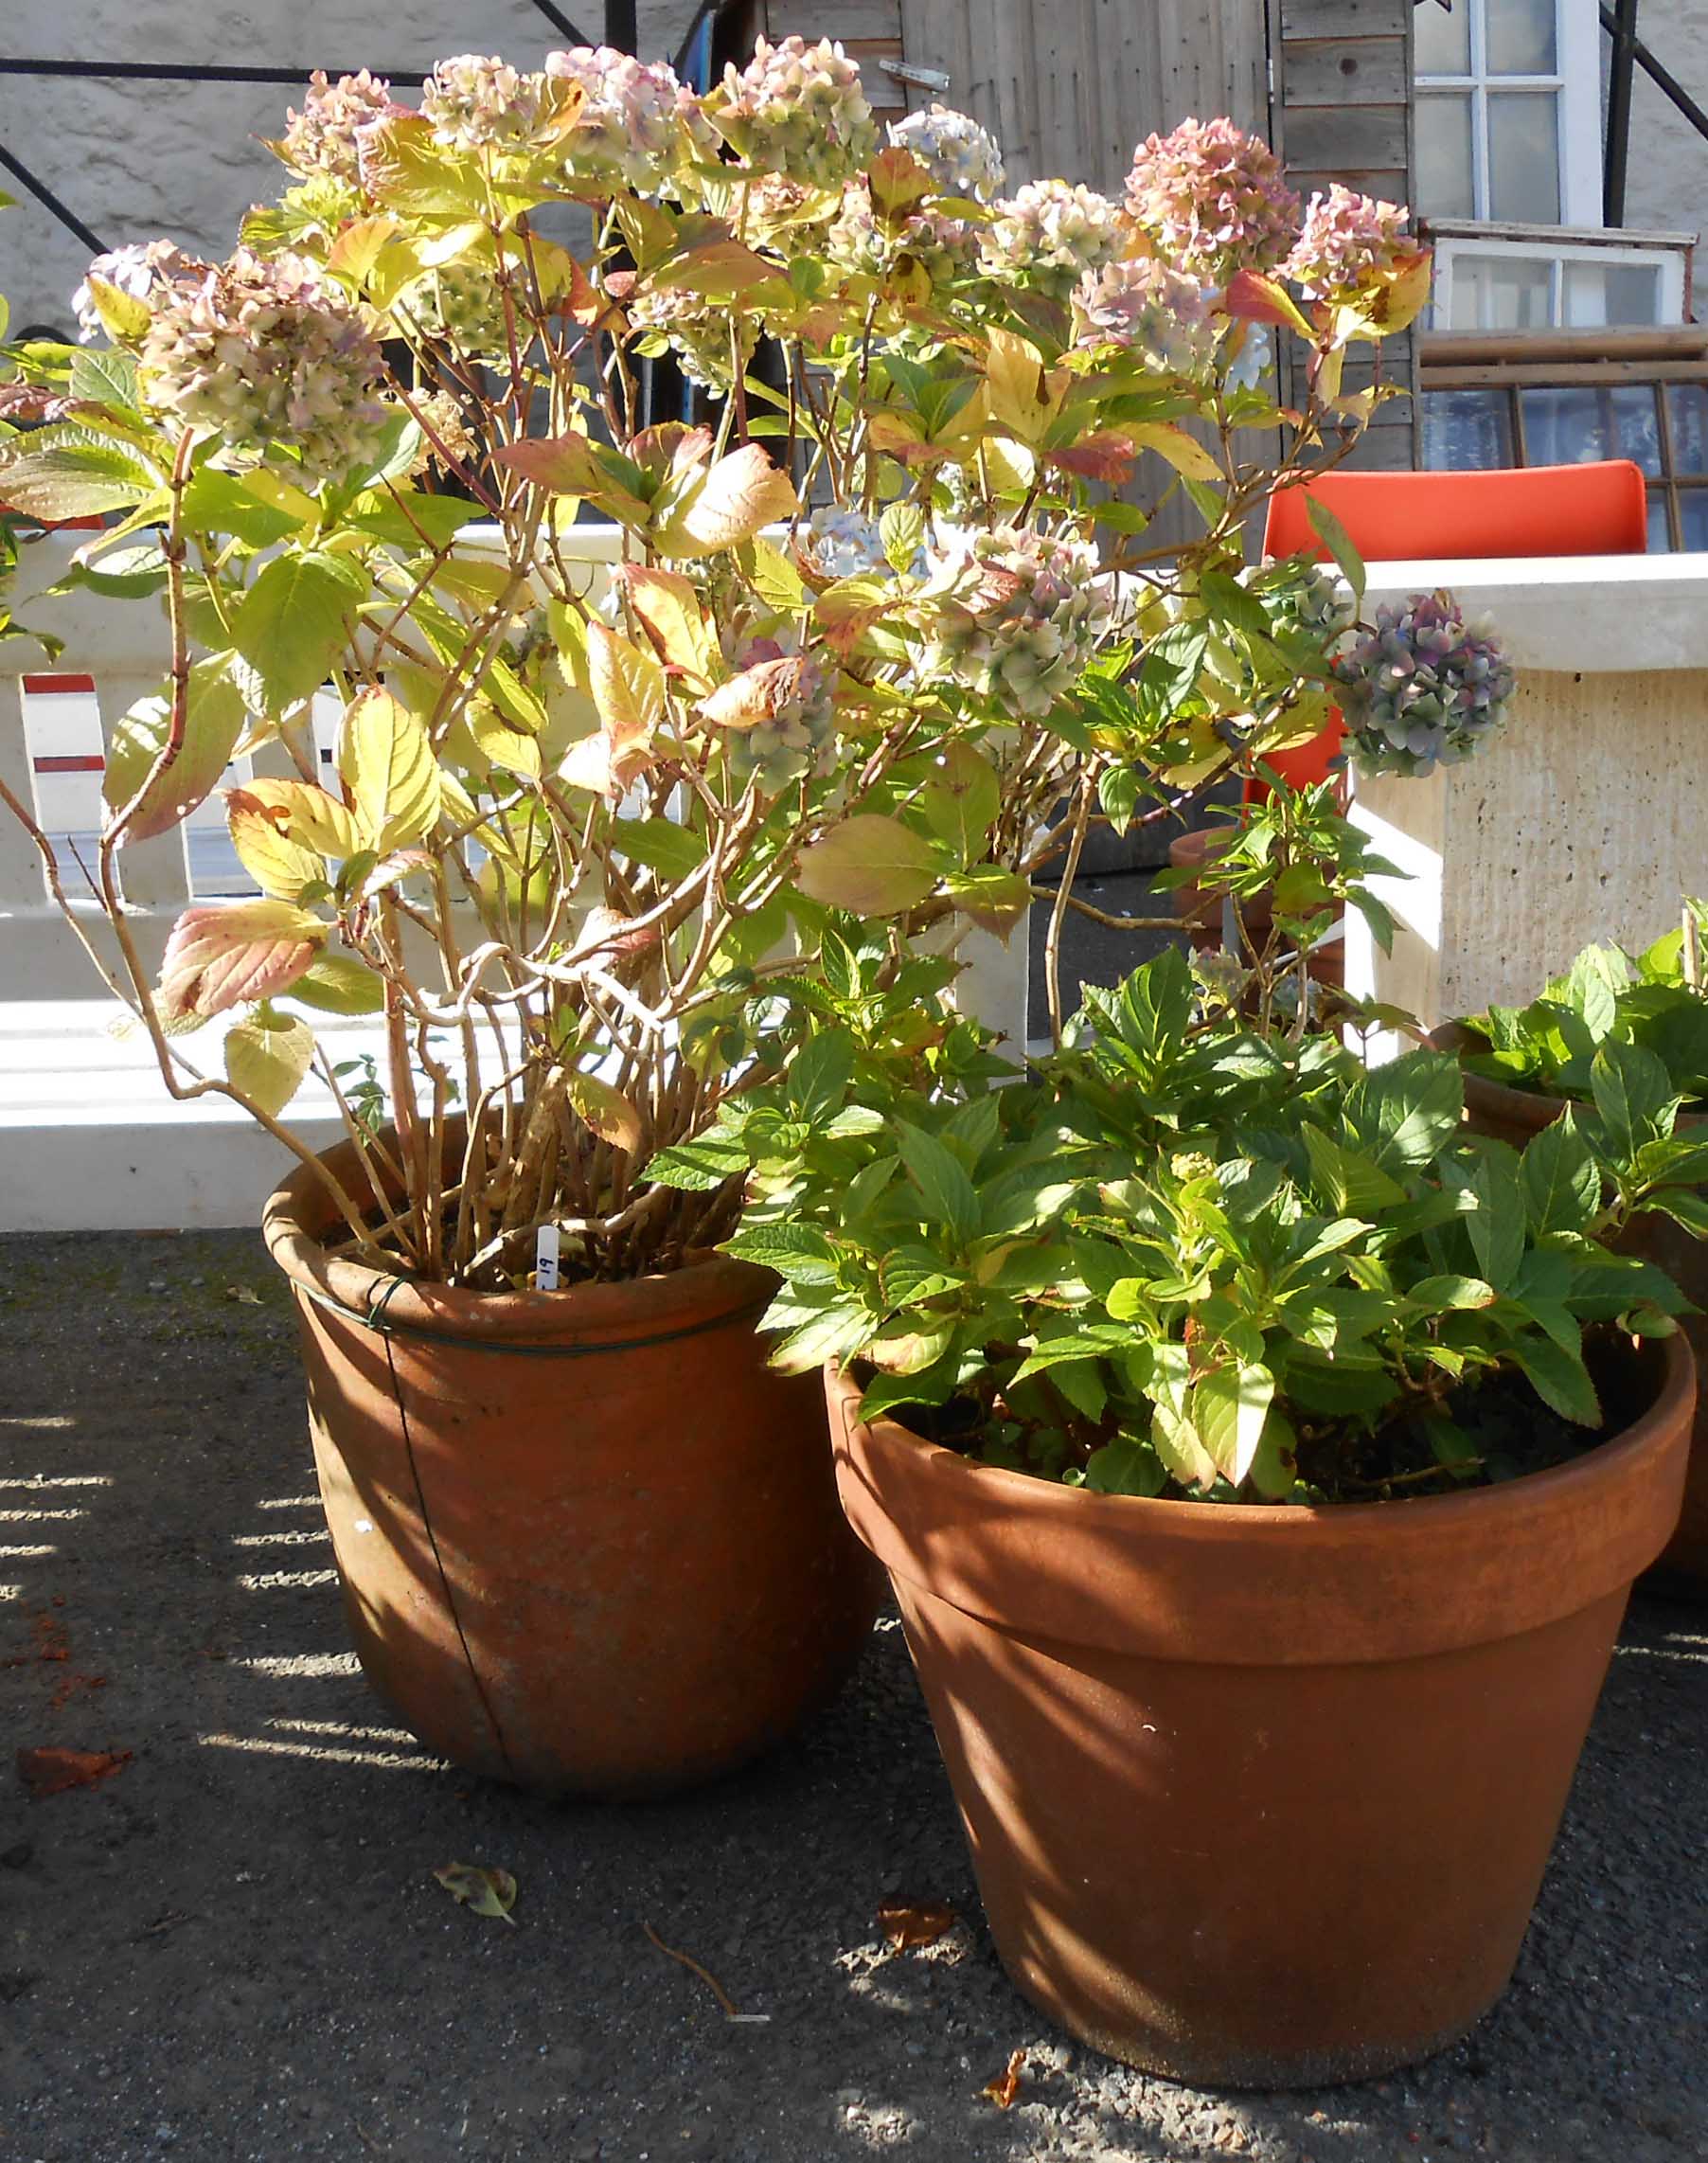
(1210, 199)
(1348, 242)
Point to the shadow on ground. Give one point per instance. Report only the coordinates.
(234, 1947)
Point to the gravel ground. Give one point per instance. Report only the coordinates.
(235, 1947)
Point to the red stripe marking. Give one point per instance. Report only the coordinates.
(90, 762)
(59, 683)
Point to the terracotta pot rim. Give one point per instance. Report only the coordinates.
(708, 1292)
(1678, 1377)
(1207, 1582)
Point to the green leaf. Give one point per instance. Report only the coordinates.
(819, 1075)
(960, 803)
(1340, 544)
(869, 865)
(70, 472)
(290, 626)
(699, 1165)
(1154, 1004)
(1562, 1188)
(224, 502)
(1081, 1381)
(104, 375)
(1442, 1295)
(1634, 1095)
(1496, 1223)
(946, 1193)
(837, 1333)
(799, 1253)
(902, 531)
(1126, 1467)
(340, 984)
(1355, 1186)
(214, 718)
(1229, 1407)
(1558, 1379)
(1405, 1111)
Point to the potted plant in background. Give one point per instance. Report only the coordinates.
(1261, 1462)
(1526, 1067)
(583, 861)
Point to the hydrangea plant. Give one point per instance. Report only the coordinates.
(886, 636)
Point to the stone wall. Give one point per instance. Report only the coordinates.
(138, 159)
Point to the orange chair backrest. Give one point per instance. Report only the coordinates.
(1596, 510)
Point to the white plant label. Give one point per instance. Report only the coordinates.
(545, 1258)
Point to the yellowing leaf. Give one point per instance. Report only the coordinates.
(1185, 453)
(267, 1058)
(628, 686)
(486, 1891)
(122, 314)
(387, 762)
(278, 864)
(501, 745)
(670, 610)
(738, 495)
(214, 717)
(310, 815)
(606, 1111)
(871, 866)
(1019, 391)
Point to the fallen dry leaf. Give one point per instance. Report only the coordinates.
(242, 1295)
(907, 1922)
(1005, 2086)
(487, 1892)
(51, 1770)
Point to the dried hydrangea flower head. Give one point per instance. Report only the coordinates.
(696, 329)
(1021, 619)
(859, 241)
(961, 157)
(324, 137)
(627, 129)
(459, 306)
(262, 354)
(1423, 688)
(794, 719)
(1348, 244)
(800, 110)
(1047, 235)
(140, 271)
(1141, 306)
(479, 103)
(1210, 199)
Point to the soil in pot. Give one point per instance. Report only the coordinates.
(1515, 1115)
(1262, 1796)
(589, 1542)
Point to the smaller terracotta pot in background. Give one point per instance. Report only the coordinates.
(1200, 910)
(1515, 1116)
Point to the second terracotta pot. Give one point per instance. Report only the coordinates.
(1515, 1116)
(1262, 1796)
(589, 1542)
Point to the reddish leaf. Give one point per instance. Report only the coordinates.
(1005, 2086)
(1104, 456)
(222, 956)
(907, 1922)
(1254, 299)
(52, 1771)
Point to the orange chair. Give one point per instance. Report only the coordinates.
(1596, 509)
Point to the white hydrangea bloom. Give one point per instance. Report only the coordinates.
(1022, 617)
(1047, 235)
(962, 157)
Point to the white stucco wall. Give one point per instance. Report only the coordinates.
(1666, 178)
(138, 159)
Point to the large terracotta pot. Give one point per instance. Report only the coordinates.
(1262, 1796)
(589, 1542)
(1515, 1116)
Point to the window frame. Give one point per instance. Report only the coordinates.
(1574, 85)
(1558, 246)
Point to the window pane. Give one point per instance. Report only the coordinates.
(1569, 426)
(1687, 406)
(1442, 44)
(1467, 431)
(1659, 533)
(1520, 36)
(1502, 292)
(1613, 292)
(1692, 517)
(1444, 181)
(1523, 157)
